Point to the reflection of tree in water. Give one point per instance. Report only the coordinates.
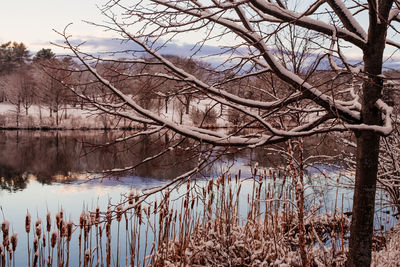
(10, 180)
(50, 154)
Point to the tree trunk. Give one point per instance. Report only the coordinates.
(40, 114)
(364, 200)
(18, 112)
(362, 223)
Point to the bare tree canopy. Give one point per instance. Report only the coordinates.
(266, 61)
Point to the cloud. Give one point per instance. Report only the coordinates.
(210, 53)
(112, 45)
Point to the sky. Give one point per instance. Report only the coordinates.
(32, 22)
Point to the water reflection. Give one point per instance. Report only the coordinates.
(63, 156)
(58, 156)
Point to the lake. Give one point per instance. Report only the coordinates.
(47, 171)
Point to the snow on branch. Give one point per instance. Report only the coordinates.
(306, 22)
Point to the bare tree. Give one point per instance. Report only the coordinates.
(52, 92)
(20, 91)
(249, 33)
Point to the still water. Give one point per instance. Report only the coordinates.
(47, 171)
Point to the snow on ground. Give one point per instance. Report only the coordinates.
(77, 118)
(390, 255)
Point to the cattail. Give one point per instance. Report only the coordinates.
(92, 217)
(38, 222)
(5, 227)
(119, 212)
(39, 230)
(35, 243)
(53, 240)
(210, 185)
(62, 214)
(58, 219)
(108, 214)
(63, 229)
(155, 206)
(82, 219)
(14, 241)
(192, 204)
(108, 229)
(69, 230)
(44, 240)
(97, 217)
(130, 197)
(87, 257)
(139, 213)
(48, 222)
(35, 258)
(10, 252)
(27, 222)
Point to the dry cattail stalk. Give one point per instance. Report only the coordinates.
(92, 218)
(130, 197)
(210, 185)
(10, 252)
(108, 214)
(2, 254)
(48, 221)
(39, 230)
(119, 212)
(14, 241)
(44, 240)
(5, 227)
(62, 214)
(70, 225)
(27, 222)
(53, 240)
(97, 217)
(108, 229)
(63, 229)
(35, 243)
(38, 222)
(87, 257)
(82, 219)
(36, 258)
(139, 213)
(58, 220)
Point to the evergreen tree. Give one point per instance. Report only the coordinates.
(12, 55)
(44, 54)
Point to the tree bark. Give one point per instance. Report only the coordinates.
(362, 224)
(364, 200)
